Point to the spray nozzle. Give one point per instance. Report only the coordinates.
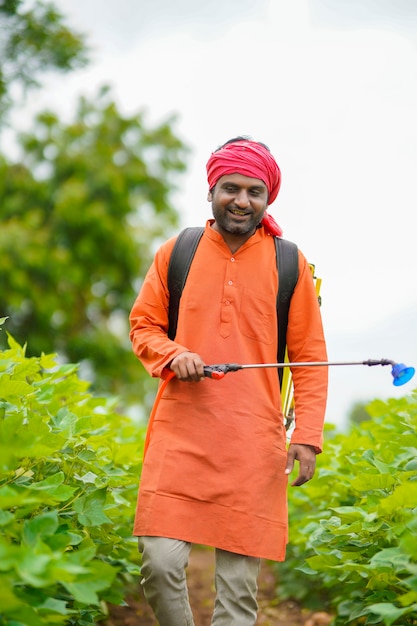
(401, 374)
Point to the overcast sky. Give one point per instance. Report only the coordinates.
(331, 87)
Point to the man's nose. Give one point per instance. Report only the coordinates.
(242, 198)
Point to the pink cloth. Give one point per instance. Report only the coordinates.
(248, 158)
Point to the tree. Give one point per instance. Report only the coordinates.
(33, 41)
(358, 413)
(81, 215)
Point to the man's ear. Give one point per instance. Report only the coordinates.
(209, 196)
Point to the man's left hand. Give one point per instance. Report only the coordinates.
(306, 456)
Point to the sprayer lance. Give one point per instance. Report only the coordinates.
(400, 372)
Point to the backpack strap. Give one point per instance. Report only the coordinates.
(179, 265)
(287, 264)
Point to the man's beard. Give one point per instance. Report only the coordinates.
(225, 220)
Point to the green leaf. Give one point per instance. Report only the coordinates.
(53, 605)
(411, 466)
(369, 482)
(404, 497)
(47, 361)
(392, 558)
(86, 552)
(5, 517)
(99, 578)
(40, 527)
(8, 600)
(32, 567)
(11, 497)
(318, 562)
(349, 514)
(388, 612)
(90, 508)
(10, 389)
(26, 368)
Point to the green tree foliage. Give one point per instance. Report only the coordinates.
(69, 468)
(358, 413)
(353, 528)
(81, 215)
(33, 40)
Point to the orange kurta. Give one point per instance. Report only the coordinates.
(214, 469)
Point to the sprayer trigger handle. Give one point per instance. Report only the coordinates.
(215, 371)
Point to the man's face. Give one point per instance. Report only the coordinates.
(238, 203)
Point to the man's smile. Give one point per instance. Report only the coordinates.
(238, 212)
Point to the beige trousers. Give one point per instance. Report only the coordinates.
(164, 562)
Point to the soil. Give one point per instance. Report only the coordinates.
(200, 572)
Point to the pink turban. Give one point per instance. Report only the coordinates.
(248, 158)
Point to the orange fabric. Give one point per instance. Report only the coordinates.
(214, 469)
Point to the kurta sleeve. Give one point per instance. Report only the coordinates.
(149, 317)
(306, 343)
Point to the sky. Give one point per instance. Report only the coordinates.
(331, 87)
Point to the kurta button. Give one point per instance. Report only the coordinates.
(232, 259)
(230, 282)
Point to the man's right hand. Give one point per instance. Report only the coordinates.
(188, 367)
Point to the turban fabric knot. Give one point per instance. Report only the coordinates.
(248, 158)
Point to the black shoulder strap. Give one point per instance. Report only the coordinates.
(287, 263)
(179, 265)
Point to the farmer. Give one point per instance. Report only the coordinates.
(217, 466)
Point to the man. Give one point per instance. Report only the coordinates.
(217, 465)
